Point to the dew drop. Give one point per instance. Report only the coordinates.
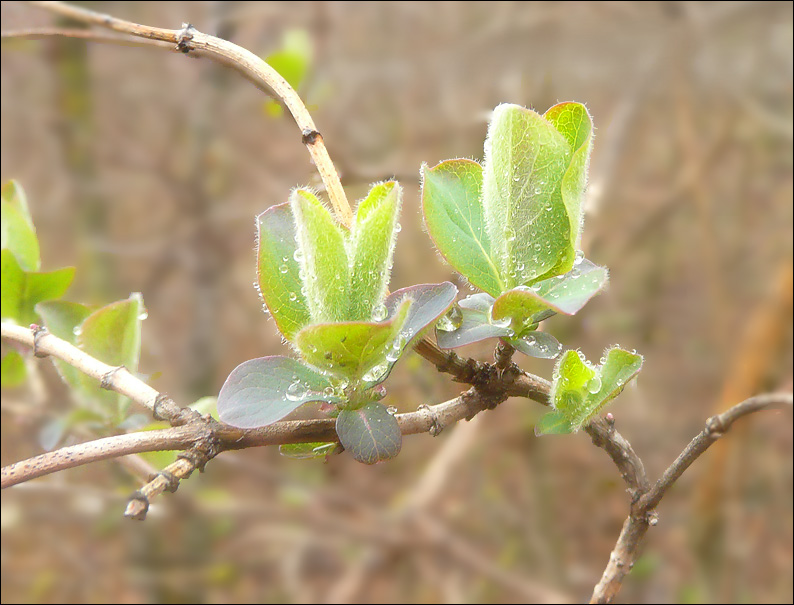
(451, 321)
(283, 269)
(77, 330)
(594, 384)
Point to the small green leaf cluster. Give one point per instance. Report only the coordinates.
(512, 227)
(111, 333)
(580, 389)
(326, 288)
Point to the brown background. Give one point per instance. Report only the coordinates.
(146, 168)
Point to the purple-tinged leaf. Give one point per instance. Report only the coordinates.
(261, 391)
(369, 433)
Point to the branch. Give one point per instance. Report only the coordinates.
(642, 516)
(246, 63)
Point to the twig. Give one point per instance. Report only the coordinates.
(253, 68)
(643, 516)
(43, 33)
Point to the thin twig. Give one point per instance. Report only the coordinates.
(643, 516)
(244, 61)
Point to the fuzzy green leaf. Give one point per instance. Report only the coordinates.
(323, 258)
(350, 349)
(21, 290)
(17, 232)
(261, 391)
(580, 390)
(278, 272)
(453, 212)
(564, 294)
(572, 120)
(370, 249)
(369, 433)
(526, 218)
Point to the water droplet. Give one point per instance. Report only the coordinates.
(298, 256)
(451, 321)
(296, 391)
(283, 269)
(398, 227)
(594, 384)
(293, 297)
(380, 312)
(579, 257)
(77, 330)
(328, 391)
(391, 410)
(143, 314)
(510, 234)
(377, 372)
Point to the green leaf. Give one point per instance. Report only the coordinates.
(322, 258)
(63, 319)
(21, 290)
(537, 344)
(369, 433)
(308, 451)
(17, 232)
(112, 334)
(580, 390)
(12, 370)
(261, 391)
(350, 349)
(475, 324)
(453, 212)
(526, 218)
(573, 121)
(292, 62)
(278, 272)
(371, 245)
(564, 294)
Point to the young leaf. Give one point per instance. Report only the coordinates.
(564, 294)
(537, 344)
(453, 212)
(63, 319)
(572, 121)
(278, 272)
(369, 433)
(261, 391)
(21, 290)
(349, 349)
(17, 232)
(371, 245)
(526, 219)
(580, 390)
(292, 62)
(323, 259)
(475, 324)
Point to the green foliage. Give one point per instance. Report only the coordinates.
(308, 451)
(580, 389)
(326, 288)
(292, 61)
(512, 226)
(17, 232)
(12, 370)
(370, 433)
(22, 290)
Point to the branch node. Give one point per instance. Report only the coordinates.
(310, 136)
(107, 379)
(38, 333)
(435, 425)
(184, 38)
(652, 518)
(137, 506)
(173, 480)
(197, 458)
(715, 427)
(158, 404)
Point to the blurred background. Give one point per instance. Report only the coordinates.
(146, 168)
